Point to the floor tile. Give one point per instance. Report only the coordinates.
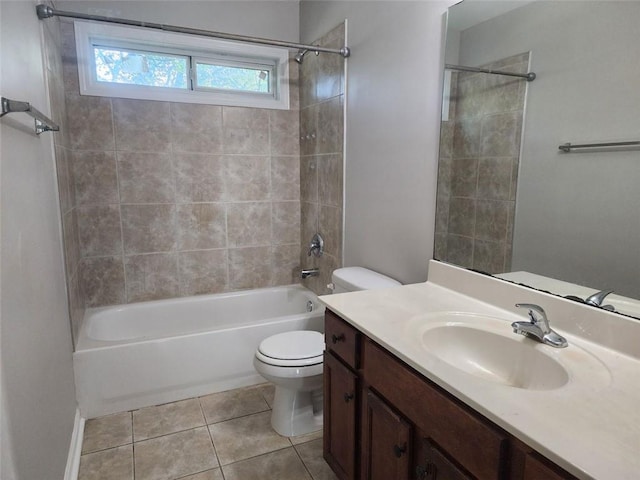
(268, 391)
(215, 474)
(174, 456)
(112, 464)
(246, 437)
(232, 404)
(107, 432)
(174, 417)
(311, 454)
(281, 465)
(306, 438)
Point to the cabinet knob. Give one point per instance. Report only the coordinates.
(337, 338)
(399, 450)
(348, 397)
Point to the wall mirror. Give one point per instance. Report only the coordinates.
(511, 202)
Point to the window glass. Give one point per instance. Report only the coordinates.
(228, 77)
(117, 65)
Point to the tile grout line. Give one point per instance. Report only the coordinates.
(303, 463)
(213, 445)
(257, 456)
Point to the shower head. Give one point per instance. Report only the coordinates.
(300, 55)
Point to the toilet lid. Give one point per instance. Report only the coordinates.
(295, 345)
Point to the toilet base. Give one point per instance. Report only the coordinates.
(296, 412)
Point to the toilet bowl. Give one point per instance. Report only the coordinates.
(293, 362)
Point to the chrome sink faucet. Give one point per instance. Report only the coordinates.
(596, 299)
(538, 327)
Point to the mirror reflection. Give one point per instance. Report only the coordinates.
(511, 201)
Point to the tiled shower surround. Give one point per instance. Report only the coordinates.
(478, 167)
(163, 199)
(321, 157)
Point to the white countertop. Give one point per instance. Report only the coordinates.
(590, 426)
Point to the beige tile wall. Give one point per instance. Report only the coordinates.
(478, 168)
(321, 157)
(169, 199)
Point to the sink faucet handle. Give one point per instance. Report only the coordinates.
(537, 315)
(597, 298)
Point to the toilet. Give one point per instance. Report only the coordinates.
(292, 361)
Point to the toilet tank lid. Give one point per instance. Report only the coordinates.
(359, 278)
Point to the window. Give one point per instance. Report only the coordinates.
(140, 63)
(135, 67)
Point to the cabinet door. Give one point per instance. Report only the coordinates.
(340, 402)
(386, 442)
(432, 464)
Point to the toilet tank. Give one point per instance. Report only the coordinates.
(351, 279)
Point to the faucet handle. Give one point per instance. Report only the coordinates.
(316, 246)
(536, 314)
(597, 298)
(533, 308)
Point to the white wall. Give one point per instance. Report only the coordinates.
(392, 127)
(270, 19)
(577, 215)
(38, 397)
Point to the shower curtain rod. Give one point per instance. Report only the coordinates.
(529, 77)
(44, 11)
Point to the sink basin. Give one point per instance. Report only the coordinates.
(494, 357)
(486, 348)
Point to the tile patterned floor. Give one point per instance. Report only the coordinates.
(224, 436)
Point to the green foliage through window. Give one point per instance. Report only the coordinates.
(133, 67)
(233, 78)
(154, 69)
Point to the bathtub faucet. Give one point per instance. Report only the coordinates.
(311, 272)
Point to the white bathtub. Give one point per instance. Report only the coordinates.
(142, 354)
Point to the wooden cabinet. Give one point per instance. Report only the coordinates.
(342, 339)
(340, 411)
(464, 435)
(341, 397)
(536, 469)
(433, 464)
(385, 421)
(386, 441)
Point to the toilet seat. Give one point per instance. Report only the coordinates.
(292, 349)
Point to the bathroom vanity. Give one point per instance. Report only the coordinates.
(402, 402)
(400, 425)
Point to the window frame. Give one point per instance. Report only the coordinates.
(88, 34)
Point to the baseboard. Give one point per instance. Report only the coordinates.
(75, 448)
